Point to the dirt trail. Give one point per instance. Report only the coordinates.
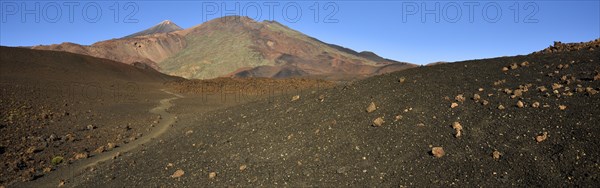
(79, 167)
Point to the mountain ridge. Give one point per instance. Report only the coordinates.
(237, 46)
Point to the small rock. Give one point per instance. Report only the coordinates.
(556, 86)
(514, 66)
(597, 77)
(496, 155)
(520, 104)
(189, 132)
(100, 149)
(484, 102)
(401, 79)
(33, 149)
(504, 69)
(321, 98)
(517, 93)
(47, 169)
(476, 97)
(83, 155)
(378, 122)
(524, 64)
(460, 98)
(91, 127)
(535, 105)
(398, 117)
(243, 167)
(591, 91)
(500, 107)
(453, 105)
(212, 175)
(542, 89)
(178, 173)
(295, 97)
(371, 107)
(541, 137)
(61, 183)
(438, 152)
(458, 128)
(111, 146)
(562, 107)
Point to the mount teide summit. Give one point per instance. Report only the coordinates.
(163, 27)
(236, 46)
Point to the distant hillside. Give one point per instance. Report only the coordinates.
(237, 46)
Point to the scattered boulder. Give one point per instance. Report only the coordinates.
(91, 127)
(371, 107)
(514, 66)
(458, 128)
(484, 102)
(212, 175)
(556, 86)
(438, 152)
(520, 104)
(496, 154)
(32, 150)
(378, 122)
(504, 69)
(61, 183)
(460, 98)
(178, 173)
(83, 155)
(524, 64)
(111, 146)
(591, 91)
(398, 117)
(402, 79)
(562, 107)
(453, 105)
(476, 97)
(517, 93)
(295, 97)
(541, 137)
(100, 149)
(499, 82)
(542, 89)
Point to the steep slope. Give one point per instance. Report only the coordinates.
(166, 26)
(239, 47)
(309, 143)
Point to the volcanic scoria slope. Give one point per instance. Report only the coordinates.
(64, 106)
(237, 47)
(511, 121)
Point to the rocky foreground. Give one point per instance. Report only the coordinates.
(511, 121)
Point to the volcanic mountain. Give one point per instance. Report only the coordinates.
(237, 46)
(163, 27)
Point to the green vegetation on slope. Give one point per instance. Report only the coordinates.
(213, 54)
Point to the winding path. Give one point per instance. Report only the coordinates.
(80, 166)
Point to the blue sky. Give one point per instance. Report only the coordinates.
(400, 30)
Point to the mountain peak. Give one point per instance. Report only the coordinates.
(165, 26)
